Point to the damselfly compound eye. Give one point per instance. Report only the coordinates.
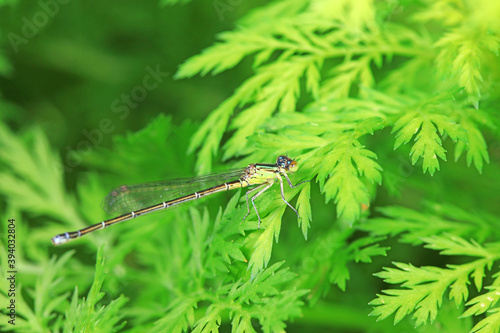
(293, 166)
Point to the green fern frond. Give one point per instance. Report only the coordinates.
(38, 316)
(270, 306)
(225, 228)
(347, 162)
(302, 46)
(265, 39)
(345, 76)
(413, 226)
(264, 243)
(304, 208)
(83, 316)
(261, 298)
(179, 315)
(476, 147)
(246, 123)
(468, 37)
(477, 152)
(219, 58)
(210, 322)
(490, 324)
(464, 54)
(425, 125)
(32, 177)
(485, 304)
(454, 246)
(425, 287)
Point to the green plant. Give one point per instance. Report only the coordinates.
(348, 88)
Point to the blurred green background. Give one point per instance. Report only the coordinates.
(79, 61)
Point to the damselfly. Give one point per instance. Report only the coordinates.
(135, 200)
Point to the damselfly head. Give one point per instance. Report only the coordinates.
(287, 163)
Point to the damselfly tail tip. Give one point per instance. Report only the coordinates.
(60, 239)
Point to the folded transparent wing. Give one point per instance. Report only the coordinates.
(129, 198)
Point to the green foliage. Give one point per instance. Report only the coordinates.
(82, 316)
(428, 143)
(37, 317)
(425, 287)
(368, 97)
(32, 178)
(485, 303)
